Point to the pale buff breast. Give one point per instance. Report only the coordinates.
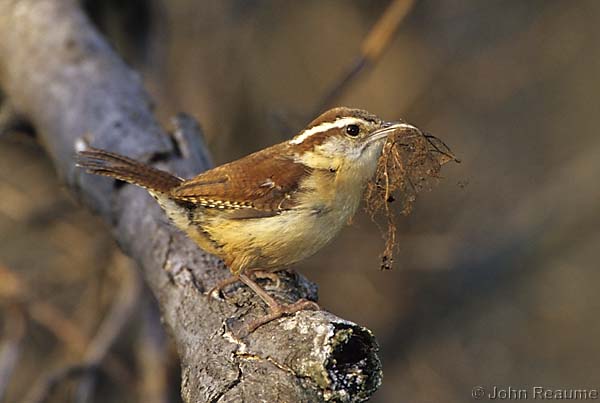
(293, 235)
(278, 241)
(266, 242)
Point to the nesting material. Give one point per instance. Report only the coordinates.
(410, 163)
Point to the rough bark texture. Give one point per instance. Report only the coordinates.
(57, 71)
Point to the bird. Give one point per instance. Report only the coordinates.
(272, 208)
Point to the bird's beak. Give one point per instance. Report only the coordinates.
(387, 128)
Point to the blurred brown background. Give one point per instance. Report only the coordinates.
(496, 279)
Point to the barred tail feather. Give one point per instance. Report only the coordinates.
(105, 163)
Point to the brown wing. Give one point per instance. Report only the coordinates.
(261, 184)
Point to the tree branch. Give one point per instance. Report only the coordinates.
(57, 71)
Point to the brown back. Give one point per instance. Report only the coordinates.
(266, 181)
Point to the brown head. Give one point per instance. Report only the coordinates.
(345, 140)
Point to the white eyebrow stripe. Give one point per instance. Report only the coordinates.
(323, 127)
(408, 126)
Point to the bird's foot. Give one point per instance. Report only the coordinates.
(257, 274)
(216, 290)
(278, 311)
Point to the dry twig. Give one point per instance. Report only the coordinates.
(98, 348)
(371, 49)
(10, 348)
(15, 292)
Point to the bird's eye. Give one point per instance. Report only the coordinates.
(352, 130)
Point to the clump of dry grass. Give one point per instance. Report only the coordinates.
(410, 162)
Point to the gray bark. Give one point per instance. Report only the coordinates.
(59, 73)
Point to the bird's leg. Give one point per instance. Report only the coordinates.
(257, 273)
(276, 309)
(222, 284)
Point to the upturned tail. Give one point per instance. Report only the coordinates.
(105, 163)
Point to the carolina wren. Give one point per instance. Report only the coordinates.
(272, 208)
